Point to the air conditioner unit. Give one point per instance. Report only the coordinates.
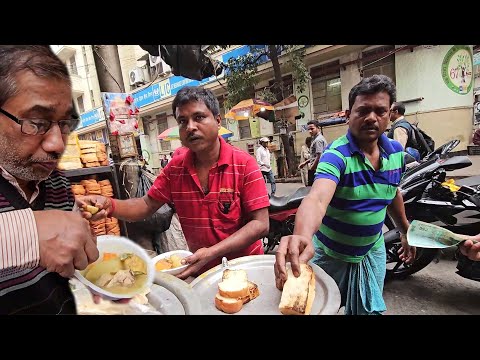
(154, 60)
(136, 76)
(161, 67)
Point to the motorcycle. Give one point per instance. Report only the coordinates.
(425, 199)
(282, 213)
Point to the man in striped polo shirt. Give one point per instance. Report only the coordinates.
(355, 182)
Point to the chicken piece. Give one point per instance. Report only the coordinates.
(123, 278)
(136, 264)
(176, 261)
(104, 280)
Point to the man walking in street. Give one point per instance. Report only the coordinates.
(164, 161)
(318, 145)
(400, 126)
(263, 160)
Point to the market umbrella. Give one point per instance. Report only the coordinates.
(173, 133)
(251, 108)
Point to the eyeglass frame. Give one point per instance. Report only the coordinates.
(50, 122)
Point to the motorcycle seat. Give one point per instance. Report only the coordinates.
(279, 203)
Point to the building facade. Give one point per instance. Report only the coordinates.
(421, 73)
(85, 88)
(436, 83)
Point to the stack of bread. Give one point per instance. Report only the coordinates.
(71, 156)
(298, 293)
(98, 227)
(92, 187)
(78, 189)
(234, 291)
(112, 227)
(106, 188)
(102, 154)
(88, 153)
(109, 226)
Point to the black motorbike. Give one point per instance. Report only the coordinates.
(426, 199)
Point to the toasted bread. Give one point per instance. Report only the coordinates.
(235, 290)
(234, 284)
(231, 274)
(253, 292)
(298, 293)
(228, 305)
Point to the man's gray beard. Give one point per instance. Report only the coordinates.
(22, 173)
(12, 163)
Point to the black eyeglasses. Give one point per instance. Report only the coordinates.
(41, 126)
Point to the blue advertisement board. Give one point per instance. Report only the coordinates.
(152, 93)
(91, 117)
(170, 86)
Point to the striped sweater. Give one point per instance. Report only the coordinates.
(27, 290)
(352, 225)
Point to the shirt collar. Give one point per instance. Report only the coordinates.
(225, 157)
(383, 142)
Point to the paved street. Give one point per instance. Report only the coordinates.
(435, 290)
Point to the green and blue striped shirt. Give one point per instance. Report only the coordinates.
(352, 225)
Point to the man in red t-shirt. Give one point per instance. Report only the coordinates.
(217, 190)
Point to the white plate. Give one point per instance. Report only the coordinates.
(119, 245)
(259, 270)
(175, 271)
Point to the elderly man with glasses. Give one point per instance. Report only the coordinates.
(42, 240)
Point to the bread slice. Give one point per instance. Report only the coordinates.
(228, 305)
(253, 292)
(298, 293)
(234, 274)
(234, 284)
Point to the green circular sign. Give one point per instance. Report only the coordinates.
(303, 101)
(457, 69)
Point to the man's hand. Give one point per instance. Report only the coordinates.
(294, 248)
(196, 262)
(65, 241)
(471, 247)
(85, 204)
(407, 252)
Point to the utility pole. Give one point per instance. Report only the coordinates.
(108, 67)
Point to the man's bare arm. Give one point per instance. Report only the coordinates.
(256, 228)
(130, 210)
(397, 210)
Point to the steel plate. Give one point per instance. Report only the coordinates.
(259, 270)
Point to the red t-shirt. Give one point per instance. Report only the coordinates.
(181, 150)
(235, 182)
